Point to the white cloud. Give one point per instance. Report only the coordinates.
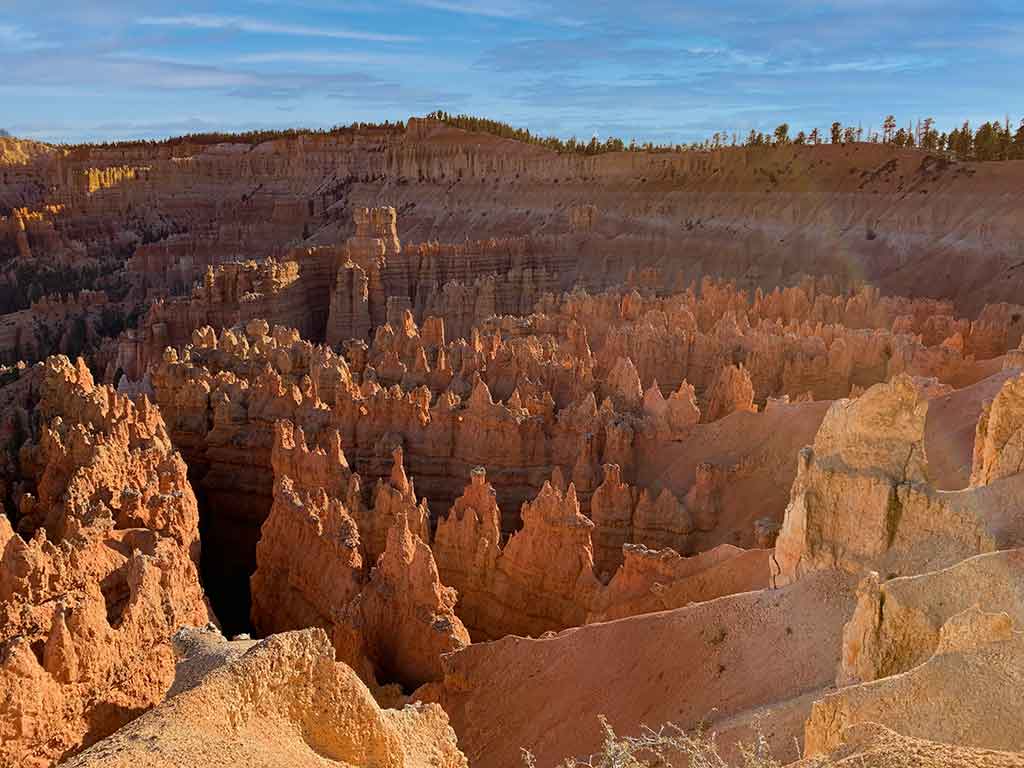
(408, 61)
(18, 38)
(495, 10)
(257, 26)
(307, 57)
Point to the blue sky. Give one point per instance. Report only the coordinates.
(648, 69)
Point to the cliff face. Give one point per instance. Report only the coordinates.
(99, 569)
(465, 284)
(152, 220)
(544, 577)
(861, 500)
(525, 396)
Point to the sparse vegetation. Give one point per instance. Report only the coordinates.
(996, 140)
(991, 141)
(247, 137)
(667, 747)
(572, 145)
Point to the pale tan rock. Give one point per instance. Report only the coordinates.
(999, 442)
(283, 701)
(870, 745)
(966, 693)
(898, 623)
(881, 430)
(860, 502)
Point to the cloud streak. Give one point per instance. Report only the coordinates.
(262, 27)
(16, 38)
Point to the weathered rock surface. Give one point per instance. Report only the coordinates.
(567, 324)
(861, 500)
(282, 701)
(543, 578)
(869, 745)
(391, 623)
(999, 445)
(98, 571)
(545, 694)
(968, 692)
(898, 623)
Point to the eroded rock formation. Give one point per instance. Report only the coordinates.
(898, 623)
(544, 577)
(967, 692)
(284, 700)
(97, 571)
(386, 610)
(629, 421)
(861, 498)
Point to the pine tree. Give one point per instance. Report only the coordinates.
(929, 138)
(889, 128)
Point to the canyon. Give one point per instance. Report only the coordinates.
(417, 446)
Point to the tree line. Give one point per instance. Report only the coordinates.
(990, 141)
(995, 140)
(246, 137)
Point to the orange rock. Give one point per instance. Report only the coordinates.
(101, 570)
(313, 566)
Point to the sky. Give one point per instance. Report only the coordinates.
(652, 70)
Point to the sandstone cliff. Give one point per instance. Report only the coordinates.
(861, 499)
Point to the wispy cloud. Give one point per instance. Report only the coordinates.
(58, 69)
(491, 9)
(879, 64)
(308, 57)
(498, 9)
(18, 38)
(261, 27)
(329, 59)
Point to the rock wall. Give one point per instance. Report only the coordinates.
(861, 498)
(898, 623)
(966, 693)
(543, 578)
